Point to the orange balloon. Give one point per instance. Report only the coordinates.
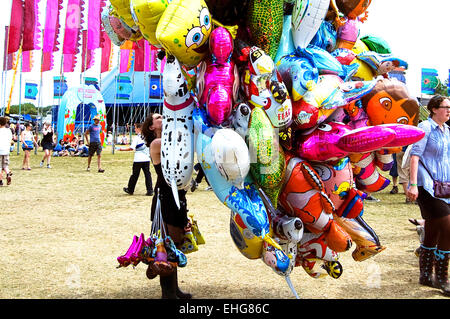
(389, 102)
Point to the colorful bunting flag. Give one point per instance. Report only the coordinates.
(107, 50)
(8, 58)
(16, 26)
(92, 81)
(31, 91)
(430, 81)
(126, 57)
(72, 34)
(156, 91)
(139, 55)
(51, 31)
(31, 26)
(59, 86)
(124, 87)
(27, 61)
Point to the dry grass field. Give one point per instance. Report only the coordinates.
(61, 230)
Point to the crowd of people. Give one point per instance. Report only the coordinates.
(416, 168)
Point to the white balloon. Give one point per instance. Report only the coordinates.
(231, 156)
(307, 16)
(177, 138)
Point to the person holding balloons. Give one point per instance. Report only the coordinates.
(175, 220)
(430, 162)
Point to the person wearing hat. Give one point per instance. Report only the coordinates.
(93, 140)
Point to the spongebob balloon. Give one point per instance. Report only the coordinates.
(183, 30)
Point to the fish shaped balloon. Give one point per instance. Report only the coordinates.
(298, 74)
(303, 196)
(366, 240)
(333, 140)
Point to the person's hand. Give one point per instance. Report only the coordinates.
(412, 193)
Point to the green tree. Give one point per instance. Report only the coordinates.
(26, 108)
(442, 88)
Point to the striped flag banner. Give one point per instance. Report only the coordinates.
(31, 91)
(124, 87)
(430, 81)
(59, 86)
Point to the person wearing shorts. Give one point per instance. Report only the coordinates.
(5, 145)
(28, 142)
(93, 140)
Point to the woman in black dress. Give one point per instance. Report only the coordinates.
(174, 219)
(47, 143)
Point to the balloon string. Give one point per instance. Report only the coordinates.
(289, 282)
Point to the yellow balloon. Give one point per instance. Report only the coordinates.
(123, 11)
(183, 30)
(359, 47)
(247, 243)
(146, 14)
(364, 71)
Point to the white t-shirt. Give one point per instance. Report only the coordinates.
(141, 152)
(5, 141)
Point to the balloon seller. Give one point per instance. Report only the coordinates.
(174, 219)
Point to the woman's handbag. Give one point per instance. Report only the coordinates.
(441, 189)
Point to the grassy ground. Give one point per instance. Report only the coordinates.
(61, 230)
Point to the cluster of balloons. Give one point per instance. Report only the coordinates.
(290, 112)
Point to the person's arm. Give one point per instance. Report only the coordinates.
(86, 136)
(412, 191)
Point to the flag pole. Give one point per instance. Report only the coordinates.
(115, 104)
(20, 99)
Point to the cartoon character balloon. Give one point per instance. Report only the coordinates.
(353, 8)
(390, 102)
(146, 14)
(302, 196)
(183, 30)
(177, 139)
(264, 88)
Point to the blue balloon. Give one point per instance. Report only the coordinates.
(328, 64)
(325, 37)
(246, 202)
(286, 45)
(297, 73)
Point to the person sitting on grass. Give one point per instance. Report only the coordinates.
(81, 150)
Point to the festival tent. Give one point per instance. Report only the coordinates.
(130, 96)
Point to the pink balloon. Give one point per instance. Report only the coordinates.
(217, 87)
(404, 134)
(221, 45)
(334, 140)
